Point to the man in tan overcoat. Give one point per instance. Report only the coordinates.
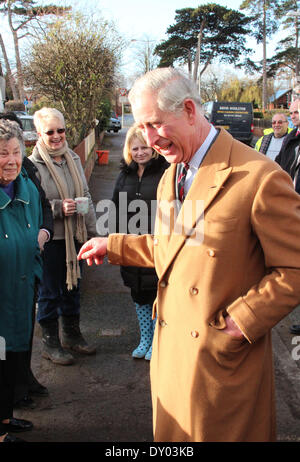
(228, 262)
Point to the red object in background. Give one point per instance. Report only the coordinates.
(102, 157)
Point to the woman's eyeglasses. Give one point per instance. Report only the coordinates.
(59, 131)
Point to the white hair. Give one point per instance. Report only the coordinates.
(11, 129)
(44, 115)
(172, 88)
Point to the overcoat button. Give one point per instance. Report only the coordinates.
(211, 252)
(28, 226)
(195, 334)
(6, 236)
(162, 323)
(163, 284)
(194, 291)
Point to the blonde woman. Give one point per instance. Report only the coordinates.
(62, 178)
(141, 171)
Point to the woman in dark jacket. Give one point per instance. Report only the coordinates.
(134, 197)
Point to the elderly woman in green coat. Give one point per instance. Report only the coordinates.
(20, 263)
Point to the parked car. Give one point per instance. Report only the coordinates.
(29, 131)
(114, 124)
(20, 113)
(236, 118)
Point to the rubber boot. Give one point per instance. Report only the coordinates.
(144, 314)
(52, 348)
(71, 336)
(149, 352)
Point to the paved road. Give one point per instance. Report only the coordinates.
(106, 397)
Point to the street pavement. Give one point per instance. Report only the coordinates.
(106, 397)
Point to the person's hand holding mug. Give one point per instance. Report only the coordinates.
(69, 207)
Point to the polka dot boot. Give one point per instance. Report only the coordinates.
(144, 314)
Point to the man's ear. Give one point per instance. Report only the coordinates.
(190, 110)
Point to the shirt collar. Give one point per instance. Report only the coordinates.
(199, 155)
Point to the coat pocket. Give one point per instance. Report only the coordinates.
(220, 225)
(221, 342)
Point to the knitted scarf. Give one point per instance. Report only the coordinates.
(73, 269)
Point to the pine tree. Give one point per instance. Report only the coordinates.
(202, 35)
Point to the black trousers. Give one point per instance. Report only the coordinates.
(8, 370)
(24, 376)
(54, 299)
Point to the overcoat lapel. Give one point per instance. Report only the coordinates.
(207, 184)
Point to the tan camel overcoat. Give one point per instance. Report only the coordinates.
(206, 385)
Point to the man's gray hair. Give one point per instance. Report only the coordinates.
(171, 86)
(10, 129)
(281, 114)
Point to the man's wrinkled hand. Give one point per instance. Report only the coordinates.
(94, 250)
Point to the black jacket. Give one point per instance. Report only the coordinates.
(286, 157)
(46, 207)
(139, 220)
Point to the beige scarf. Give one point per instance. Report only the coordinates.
(73, 269)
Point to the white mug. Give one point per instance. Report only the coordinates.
(82, 205)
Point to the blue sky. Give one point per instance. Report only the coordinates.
(134, 19)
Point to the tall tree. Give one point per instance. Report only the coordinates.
(8, 70)
(241, 89)
(213, 81)
(265, 23)
(202, 35)
(144, 54)
(287, 50)
(21, 14)
(74, 66)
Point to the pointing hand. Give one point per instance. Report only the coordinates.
(94, 250)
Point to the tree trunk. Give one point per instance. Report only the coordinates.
(9, 73)
(197, 57)
(265, 89)
(17, 54)
(189, 63)
(297, 70)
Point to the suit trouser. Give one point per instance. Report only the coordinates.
(8, 368)
(24, 376)
(54, 299)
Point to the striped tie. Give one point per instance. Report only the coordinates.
(181, 181)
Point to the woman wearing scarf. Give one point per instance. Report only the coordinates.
(62, 178)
